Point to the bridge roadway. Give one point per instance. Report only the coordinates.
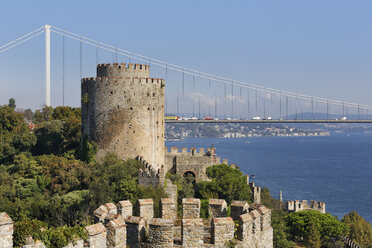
(268, 121)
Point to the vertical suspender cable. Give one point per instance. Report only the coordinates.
(312, 108)
(248, 103)
(63, 70)
(256, 104)
(178, 103)
(286, 107)
(166, 95)
(215, 104)
(232, 100)
(183, 91)
(296, 108)
(358, 112)
(183, 82)
(224, 107)
(240, 99)
(280, 105)
(199, 99)
(327, 109)
(209, 104)
(271, 104)
(97, 60)
(193, 88)
(81, 59)
(264, 107)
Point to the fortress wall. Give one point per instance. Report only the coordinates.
(125, 208)
(144, 208)
(238, 208)
(245, 230)
(222, 231)
(192, 232)
(168, 208)
(296, 206)
(123, 112)
(253, 229)
(190, 208)
(117, 233)
(96, 236)
(217, 208)
(6, 230)
(161, 233)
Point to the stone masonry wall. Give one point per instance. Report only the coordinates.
(222, 231)
(190, 208)
(6, 231)
(296, 206)
(217, 208)
(123, 112)
(161, 233)
(193, 161)
(253, 227)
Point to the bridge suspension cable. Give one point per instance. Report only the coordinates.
(202, 74)
(184, 70)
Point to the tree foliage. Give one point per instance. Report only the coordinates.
(226, 183)
(329, 227)
(360, 229)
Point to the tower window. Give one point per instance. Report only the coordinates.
(153, 94)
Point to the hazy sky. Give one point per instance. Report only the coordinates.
(317, 47)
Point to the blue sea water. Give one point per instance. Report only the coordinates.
(336, 169)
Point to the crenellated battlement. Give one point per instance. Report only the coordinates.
(156, 81)
(150, 175)
(193, 151)
(296, 206)
(122, 110)
(123, 69)
(123, 225)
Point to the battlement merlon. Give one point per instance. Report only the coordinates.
(123, 69)
(135, 79)
(193, 151)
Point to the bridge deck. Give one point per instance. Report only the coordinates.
(268, 121)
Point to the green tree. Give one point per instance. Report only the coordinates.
(314, 237)
(360, 229)
(280, 229)
(43, 115)
(28, 114)
(226, 183)
(329, 227)
(12, 103)
(15, 136)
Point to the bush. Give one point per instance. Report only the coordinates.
(226, 183)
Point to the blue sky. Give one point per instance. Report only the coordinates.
(320, 48)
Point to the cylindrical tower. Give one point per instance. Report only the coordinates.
(122, 110)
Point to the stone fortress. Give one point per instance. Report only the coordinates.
(122, 225)
(123, 112)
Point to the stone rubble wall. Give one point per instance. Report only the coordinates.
(190, 208)
(222, 231)
(122, 110)
(6, 231)
(296, 206)
(117, 229)
(217, 208)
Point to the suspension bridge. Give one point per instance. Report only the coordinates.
(193, 96)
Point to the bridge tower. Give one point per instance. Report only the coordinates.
(123, 112)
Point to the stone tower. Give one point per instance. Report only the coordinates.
(122, 111)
